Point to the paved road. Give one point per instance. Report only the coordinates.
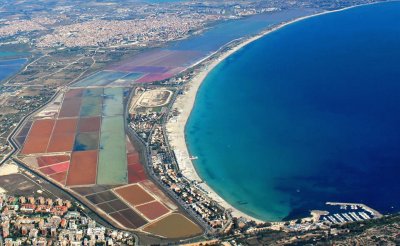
(154, 177)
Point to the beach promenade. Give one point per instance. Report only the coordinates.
(185, 102)
(176, 126)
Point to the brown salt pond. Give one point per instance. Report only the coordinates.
(174, 226)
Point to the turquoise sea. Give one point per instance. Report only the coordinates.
(305, 115)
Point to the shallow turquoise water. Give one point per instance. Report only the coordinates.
(305, 115)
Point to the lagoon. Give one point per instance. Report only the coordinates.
(8, 67)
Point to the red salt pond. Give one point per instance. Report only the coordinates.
(83, 168)
(38, 137)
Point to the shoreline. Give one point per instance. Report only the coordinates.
(184, 103)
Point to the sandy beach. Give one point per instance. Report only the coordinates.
(176, 128)
(184, 104)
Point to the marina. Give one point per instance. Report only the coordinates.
(90, 117)
(294, 168)
(348, 212)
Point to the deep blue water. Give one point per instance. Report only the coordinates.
(305, 115)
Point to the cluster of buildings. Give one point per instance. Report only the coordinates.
(143, 123)
(41, 221)
(11, 28)
(141, 32)
(190, 193)
(148, 125)
(134, 24)
(195, 200)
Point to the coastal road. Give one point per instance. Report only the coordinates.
(22, 165)
(145, 149)
(10, 138)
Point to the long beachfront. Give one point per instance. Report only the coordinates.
(184, 104)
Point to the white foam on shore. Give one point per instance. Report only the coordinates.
(184, 104)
